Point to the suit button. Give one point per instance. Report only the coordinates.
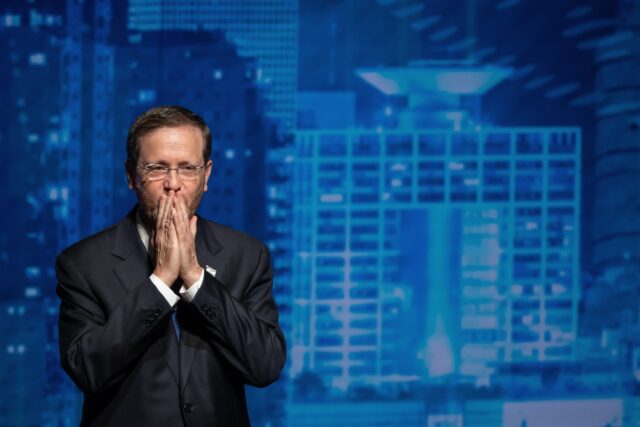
(189, 407)
(204, 306)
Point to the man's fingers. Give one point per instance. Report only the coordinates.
(180, 225)
(169, 209)
(164, 212)
(163, 221)
(181, 206)
(182, 219)
(160, 212)
(189, 223)
(173, 227)
(185, 227)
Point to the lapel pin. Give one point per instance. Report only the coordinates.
(211, 271)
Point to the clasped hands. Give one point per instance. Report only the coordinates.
(172, 242)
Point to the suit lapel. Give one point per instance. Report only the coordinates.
(206, 247)
(206, 244)
(134, 268)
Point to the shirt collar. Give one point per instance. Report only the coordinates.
(142, 231)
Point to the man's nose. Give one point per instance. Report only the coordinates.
(172, 181)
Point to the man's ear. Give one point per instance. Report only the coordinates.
(207, 173)
(131, 174)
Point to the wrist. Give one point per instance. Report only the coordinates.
(165, 276)
(192, 276)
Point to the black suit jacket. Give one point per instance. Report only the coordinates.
(118, 345)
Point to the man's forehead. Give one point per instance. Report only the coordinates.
(172, 141)
(171, 130)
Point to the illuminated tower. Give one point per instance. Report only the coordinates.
(471, 233)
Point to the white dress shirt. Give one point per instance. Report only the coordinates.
(186, 294)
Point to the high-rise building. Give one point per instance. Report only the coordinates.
(99, 118)
(473, 235)
(36, 206)
(613, 302)
(69, 142)
(30, 39)
(470, 233)
(22, 334)
(264, 30)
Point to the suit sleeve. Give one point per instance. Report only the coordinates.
(96, 351)
(245, 331)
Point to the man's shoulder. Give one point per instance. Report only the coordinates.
(229, 237)
(100, 242)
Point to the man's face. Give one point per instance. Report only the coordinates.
(172, 147)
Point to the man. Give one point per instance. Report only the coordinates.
(165, 316)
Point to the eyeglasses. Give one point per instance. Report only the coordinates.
(157, 172)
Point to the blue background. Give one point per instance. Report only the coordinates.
(449, 190)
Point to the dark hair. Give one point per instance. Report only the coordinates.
(166, 116)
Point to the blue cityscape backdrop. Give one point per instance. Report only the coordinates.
(449, 190)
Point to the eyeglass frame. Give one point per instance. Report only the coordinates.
(168, 170)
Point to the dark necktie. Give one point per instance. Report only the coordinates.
(174, 313)
(174, 320)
